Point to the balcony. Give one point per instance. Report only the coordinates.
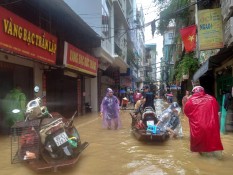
(147, 67)
(120, 12)
(120, 59)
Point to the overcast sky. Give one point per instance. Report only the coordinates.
(151, 13)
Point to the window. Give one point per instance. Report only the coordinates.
(170, 36)
(105, 18)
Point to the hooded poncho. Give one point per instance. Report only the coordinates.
(110, 109)
(202, 111)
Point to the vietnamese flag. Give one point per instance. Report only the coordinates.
(188, 35)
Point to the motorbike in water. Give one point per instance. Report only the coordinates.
(44, 140)
(144, 127)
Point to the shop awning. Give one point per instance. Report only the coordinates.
(214, 61)
(203, 69)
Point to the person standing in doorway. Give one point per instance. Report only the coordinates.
(110, 111)
(202, 112)
(15, 99)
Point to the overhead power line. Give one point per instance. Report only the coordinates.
(174, 13)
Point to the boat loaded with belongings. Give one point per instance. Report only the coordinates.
(144, 127)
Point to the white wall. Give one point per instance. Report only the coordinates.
(89, 10)
(167, 39)
(91, 93)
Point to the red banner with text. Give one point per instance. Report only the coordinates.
(19, 36)
(77, 59)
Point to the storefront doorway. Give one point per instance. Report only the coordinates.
(61, 93)
(11, 76)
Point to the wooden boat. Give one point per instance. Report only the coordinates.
(143, 134)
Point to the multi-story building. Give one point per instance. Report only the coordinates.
(86, 47)
(150, 65)
(45, 43)
(214, 47)
(137, 49)
(115, 22)
(99, 15)
(167, 61)
(215, 73)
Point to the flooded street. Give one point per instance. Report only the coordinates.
(117, 152)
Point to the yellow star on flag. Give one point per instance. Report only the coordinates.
(191, 38)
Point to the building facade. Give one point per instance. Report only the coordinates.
(36, 49)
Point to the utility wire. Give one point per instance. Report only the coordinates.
(177, 11)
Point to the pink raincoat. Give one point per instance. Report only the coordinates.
(202, 111)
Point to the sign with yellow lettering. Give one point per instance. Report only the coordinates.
(210, 31)
(19, 36)
(76, 59)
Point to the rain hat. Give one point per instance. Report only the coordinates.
(198, 89)
(109, 90)
(174, 105)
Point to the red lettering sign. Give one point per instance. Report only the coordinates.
(76, 59)
(21, 37)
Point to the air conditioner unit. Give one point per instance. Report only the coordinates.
(228, 32)
(227, 9)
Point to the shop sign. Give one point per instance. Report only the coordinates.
(210, 30)
(76, 59)
(21, 37)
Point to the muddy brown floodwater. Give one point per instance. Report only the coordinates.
(117, 152)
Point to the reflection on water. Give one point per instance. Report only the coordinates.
(119, 153)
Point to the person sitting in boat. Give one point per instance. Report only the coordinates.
(169, 119)
(138, 104)
(137, 114)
